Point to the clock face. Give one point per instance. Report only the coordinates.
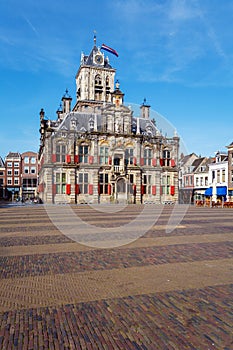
(98, 59)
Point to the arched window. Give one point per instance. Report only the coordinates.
(108, 94)
(98, 81)
(98, 88)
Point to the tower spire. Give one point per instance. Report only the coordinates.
(95, 37)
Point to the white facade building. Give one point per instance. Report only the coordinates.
(218, 179)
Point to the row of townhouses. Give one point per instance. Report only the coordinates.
(204, 180)
(19, 176)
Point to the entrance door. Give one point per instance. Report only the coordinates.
(121, 190)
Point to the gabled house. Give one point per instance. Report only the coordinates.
(218, 179)
(186, 178)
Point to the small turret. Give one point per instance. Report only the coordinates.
(145, 110)
(66, 102)
(41, 114)
(59, 112)
(117, 95)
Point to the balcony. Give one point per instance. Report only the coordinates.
(119, 169)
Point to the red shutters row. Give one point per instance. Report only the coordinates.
(172, 190)
(153, 162)
(163, 162)
(143, 189)
(76, 159)
(77, 189)
(90, 189)
(91, 160)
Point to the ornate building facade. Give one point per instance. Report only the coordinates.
(98, 151)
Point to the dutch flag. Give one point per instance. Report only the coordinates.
(109, 49)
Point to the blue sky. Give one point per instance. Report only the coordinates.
(175, 53)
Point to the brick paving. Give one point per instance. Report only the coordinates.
(167, 290)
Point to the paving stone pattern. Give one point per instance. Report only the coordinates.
(197, 318)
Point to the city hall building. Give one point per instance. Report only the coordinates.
(98, 152)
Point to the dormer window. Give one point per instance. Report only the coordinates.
(73, 124)
(91, 124)
(148, 129)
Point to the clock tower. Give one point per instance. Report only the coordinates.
(94, 81)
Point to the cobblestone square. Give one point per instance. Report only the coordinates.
(166, 290)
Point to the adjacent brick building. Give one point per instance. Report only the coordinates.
(29, 174)
(13, 173)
